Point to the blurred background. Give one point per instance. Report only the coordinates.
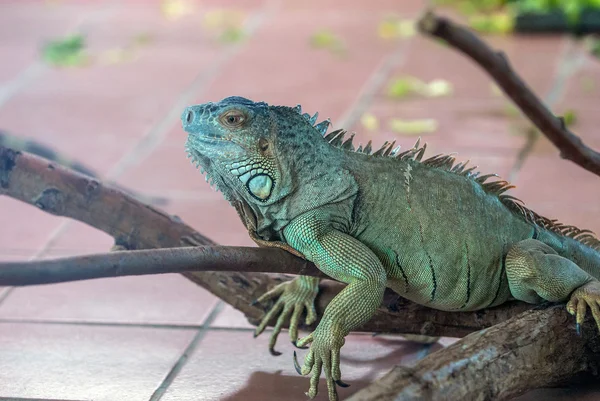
(100, 85)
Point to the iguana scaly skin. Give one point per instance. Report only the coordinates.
(435, 232)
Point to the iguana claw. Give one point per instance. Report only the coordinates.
(585, 297)
(341, 383)
(273, 352)
(296, 364)
(297, 346)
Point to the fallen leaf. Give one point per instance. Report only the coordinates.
(327, 40)
(142, 39)
(369, 121)
(232, 35)
(66, 52)
(437, 88)
(569, 117)
(175, 9)
(402, 87)
(117, 56)
(393, 27)
(413, 127)
(225, 25)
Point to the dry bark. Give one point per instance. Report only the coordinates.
(537, 348)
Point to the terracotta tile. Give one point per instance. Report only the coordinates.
(428, 60)
(559, 189)
(462, 126)
(232, 318)
(161, 299)
(298, 73)
(214, 218)
(24, 229)
(246, 370)
(406, 7)
(78, 239)
(79, 362)
(167, 170)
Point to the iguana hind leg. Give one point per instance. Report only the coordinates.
(536, 272)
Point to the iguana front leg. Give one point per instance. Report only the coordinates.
(294, 297)
(348, 260)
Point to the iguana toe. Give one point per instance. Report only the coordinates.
(294, 297)
(586, 296)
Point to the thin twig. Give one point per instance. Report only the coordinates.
(496, 64)
(154, 261)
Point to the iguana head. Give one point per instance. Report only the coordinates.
(271, 158)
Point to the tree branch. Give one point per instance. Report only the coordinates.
(537, 348)
(496, 64)
(154, 261)
(62, 192)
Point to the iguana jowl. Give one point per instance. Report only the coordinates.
(435, 232)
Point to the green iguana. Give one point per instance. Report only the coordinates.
(437, 233)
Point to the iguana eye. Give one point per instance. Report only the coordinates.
(232, 119)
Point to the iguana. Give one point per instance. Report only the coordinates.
(436, 232)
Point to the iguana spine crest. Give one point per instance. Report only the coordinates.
(446, 162)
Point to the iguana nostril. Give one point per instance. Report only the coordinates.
(189, 116)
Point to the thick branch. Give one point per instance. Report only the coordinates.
(496, 64)
(535, 349)
(134, 225)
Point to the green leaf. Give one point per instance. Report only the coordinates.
(66, 52)
(413, 127)
(401, 87)
(369, 121)
(327, 40)
(569, 117)
(232, 35)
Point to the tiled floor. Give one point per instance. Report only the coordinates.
(164, 338)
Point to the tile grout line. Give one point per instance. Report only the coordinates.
(567, 66)
(187, 353)
(373, 84)
(171, 326)
(39, 253)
